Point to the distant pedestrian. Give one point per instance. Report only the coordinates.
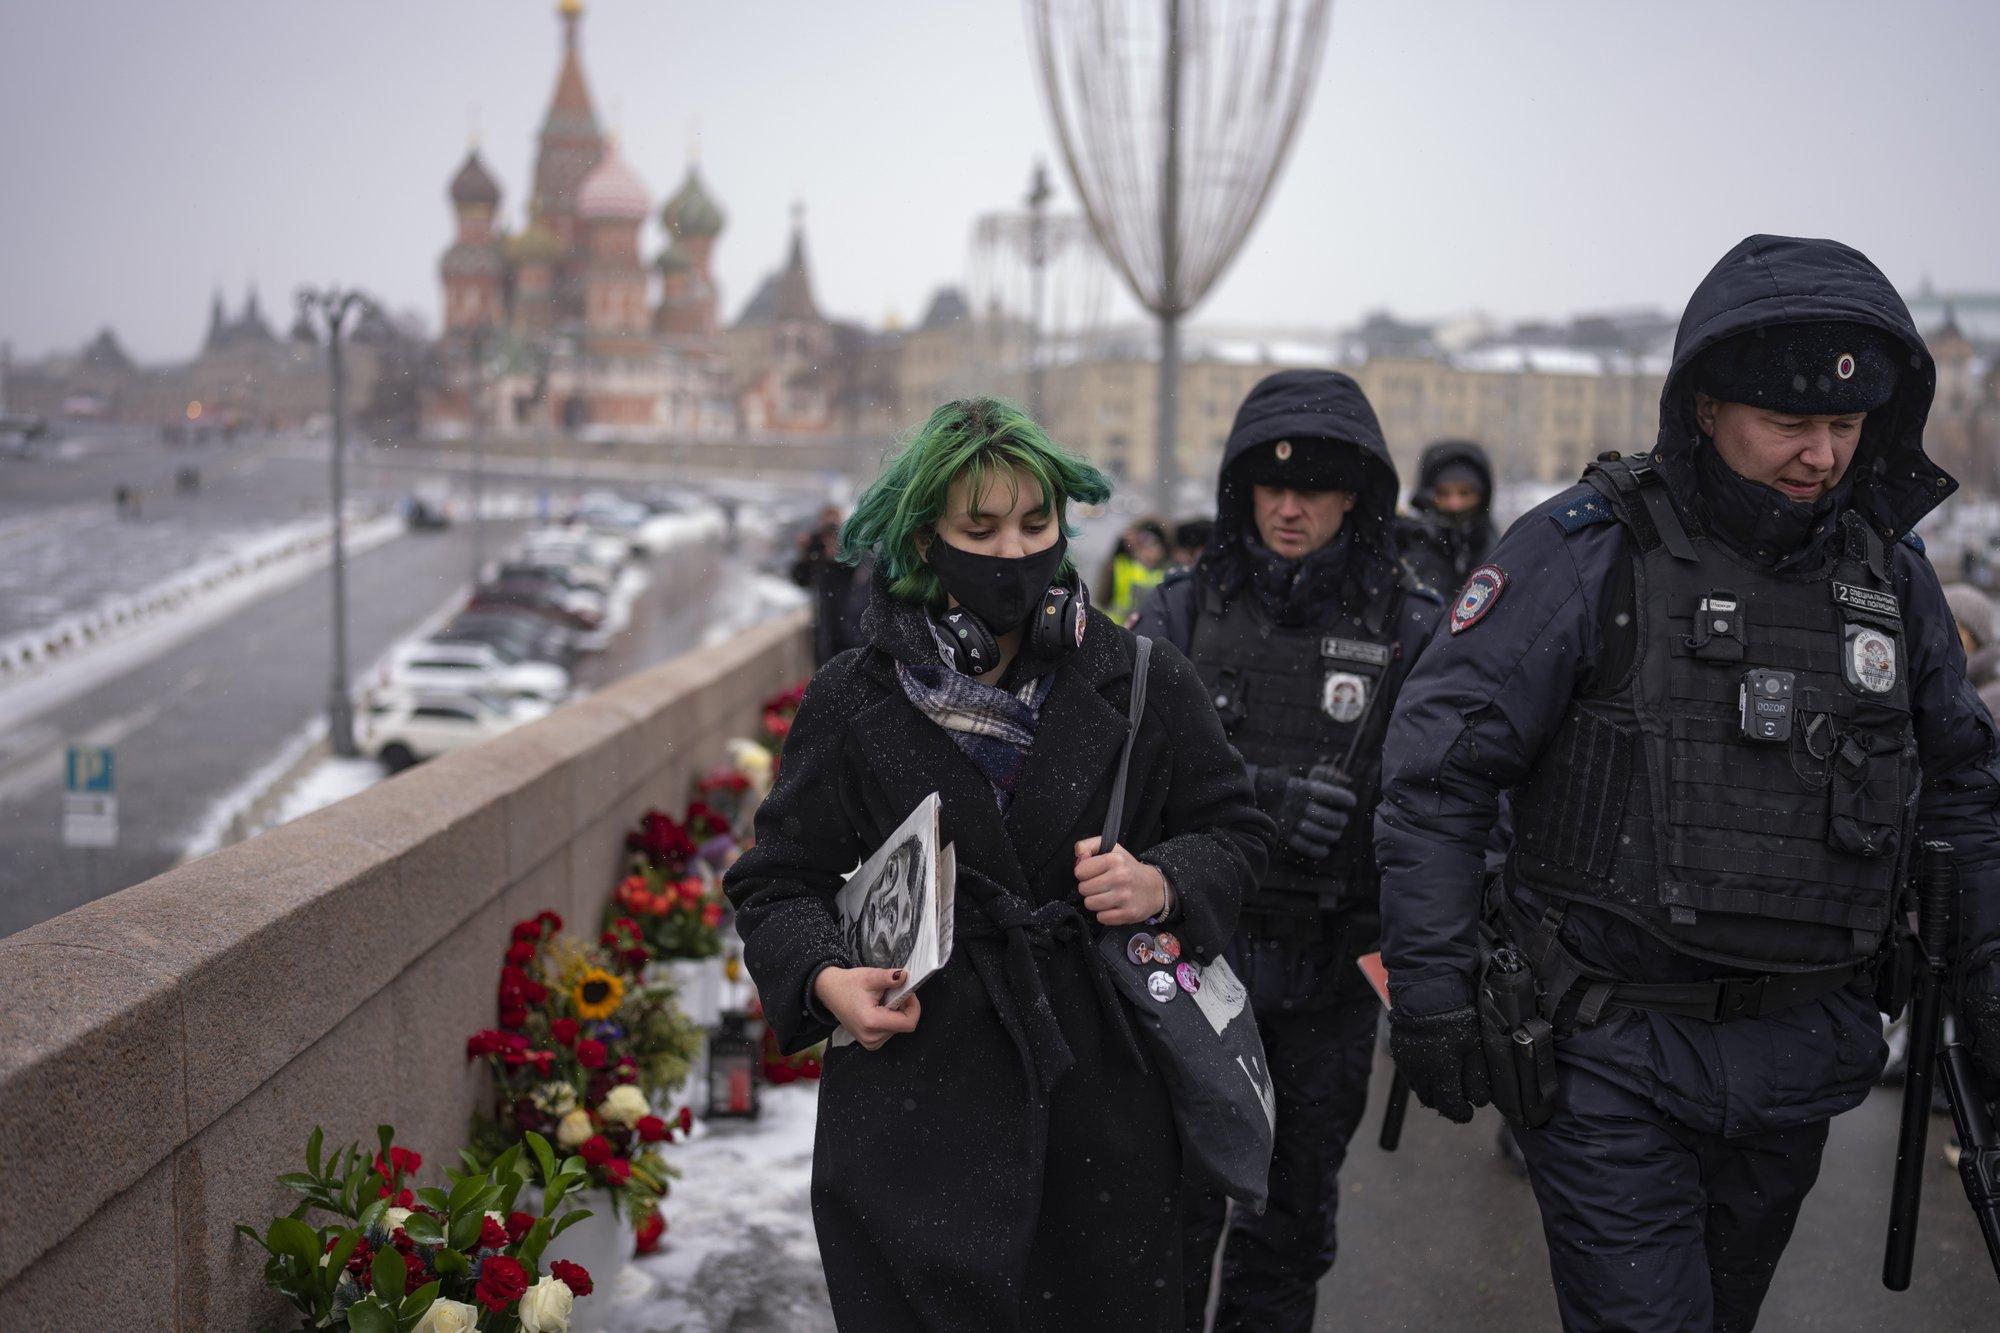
(1137, 565)
(1191, 538)
(1450, 527)
(838, 595)
(994, 1153)
(1973, 610)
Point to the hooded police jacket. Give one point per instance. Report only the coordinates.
(1549, 641)
(1302, 658)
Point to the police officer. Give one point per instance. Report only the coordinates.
(1301, 622)
(1722, 686)
(1449, 528)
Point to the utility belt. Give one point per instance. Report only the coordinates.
(1530, 984)
(1563, 977)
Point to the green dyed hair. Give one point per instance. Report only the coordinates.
(970, 437)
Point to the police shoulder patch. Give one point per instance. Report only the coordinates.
(1582, 510)
(1914, 542)
(1482, 589)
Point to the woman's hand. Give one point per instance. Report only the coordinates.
(854, 996)
(1118, 888)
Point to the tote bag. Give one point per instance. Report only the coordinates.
(1198, 1025)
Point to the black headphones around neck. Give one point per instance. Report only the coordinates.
(1055, 632)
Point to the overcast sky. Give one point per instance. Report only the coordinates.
(1531, 157)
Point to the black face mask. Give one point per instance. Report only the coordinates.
(1000, 590)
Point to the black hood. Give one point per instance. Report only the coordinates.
(1442, 454)
(1314, 409)
(1769, 280)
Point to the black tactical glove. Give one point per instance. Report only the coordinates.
(1311, 816)
(1441, 1057)
(1981, 1016)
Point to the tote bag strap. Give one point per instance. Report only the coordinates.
(1115, 815)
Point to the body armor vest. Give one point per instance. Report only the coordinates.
(1748, 794)
(1300, 698)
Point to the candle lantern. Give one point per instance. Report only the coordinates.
(732, 1071)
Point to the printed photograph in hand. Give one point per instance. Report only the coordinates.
(884, 932)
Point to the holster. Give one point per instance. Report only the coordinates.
(1519, 1043)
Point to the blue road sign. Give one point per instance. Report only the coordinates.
(88, 769)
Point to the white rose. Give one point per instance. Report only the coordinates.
(448, 1317)
(546, 1307)
(624, 1105)
(574, 1128)
(393, 1218)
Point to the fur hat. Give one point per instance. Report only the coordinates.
(1825, 367)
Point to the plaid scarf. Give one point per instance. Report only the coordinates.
(995, 728)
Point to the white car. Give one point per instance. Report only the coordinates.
(480, 667)
(578, 544)
(401, 728)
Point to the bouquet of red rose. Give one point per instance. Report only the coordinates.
(723, 789)
(394, 1258)
(779, 710)
(583, 1046)
(670, 893)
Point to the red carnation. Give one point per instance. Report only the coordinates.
(647, 1234)
(513, 1018)
(413, 1270)
(687, 1119)
(493, 1234)
(590, 1053)
(544, 1061)
(518, 1225)
(519, 952)
(651, 1129)
(573, 1276)
(564, 1030)
(596, 1150)
(405, 1160)
(528, 931)
(550, 919)
(617, 1171)
(711, 915)
(502, 1281)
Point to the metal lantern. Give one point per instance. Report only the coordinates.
(732, 1071)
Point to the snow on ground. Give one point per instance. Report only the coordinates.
(740, 1255)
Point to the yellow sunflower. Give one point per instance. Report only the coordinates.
(597, 994)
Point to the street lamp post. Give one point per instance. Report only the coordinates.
(1038, 263)
(334, 305)
(475, 408)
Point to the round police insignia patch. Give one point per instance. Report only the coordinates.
(1477, 597)
(1871, 660)
(1844, 367)
(1345, 697)
(1284, 450)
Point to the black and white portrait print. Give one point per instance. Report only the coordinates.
(884, 932)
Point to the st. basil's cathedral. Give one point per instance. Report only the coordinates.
(568, 325)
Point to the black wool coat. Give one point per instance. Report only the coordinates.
(1017, 1139)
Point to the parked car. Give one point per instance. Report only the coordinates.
(405, 727)
(532, 599)
(575, 577)
(527, 636)
(475, 666)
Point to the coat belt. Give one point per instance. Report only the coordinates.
(1001, 944)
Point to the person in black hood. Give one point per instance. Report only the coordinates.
(1450, 527)
(1302, 624)
(1720, 684)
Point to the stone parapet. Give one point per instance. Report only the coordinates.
(165, 1051)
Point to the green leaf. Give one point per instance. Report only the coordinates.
(434, 1197)
(424, 1229)
(416, 1303)
(449, 1261)
(387, 1135)
(567, 1221)
(463, 1193)
(532, 1244)
(370, 1316)
(343, 1250)
(544, 1158)
(503, 1165)
(313, 1146)
(293, 1237)
(372, 1214)
(464, 1233)
(389, 1274)
(299, 1180)
(254, 1236)
(472, 1163)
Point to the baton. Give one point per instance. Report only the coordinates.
(1392, 1113)
(1937, 894)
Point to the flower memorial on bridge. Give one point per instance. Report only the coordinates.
(583, 1048)
(396, 1258)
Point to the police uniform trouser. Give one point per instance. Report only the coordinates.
(1653, 1225)
(1318, 1019)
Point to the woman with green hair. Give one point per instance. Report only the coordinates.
(994, 1151)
